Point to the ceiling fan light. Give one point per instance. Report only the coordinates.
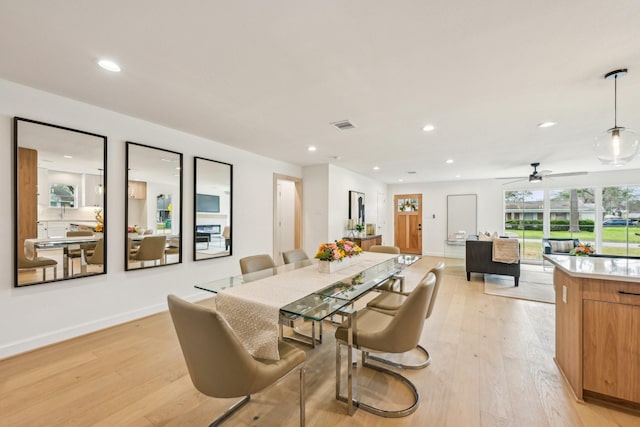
(535, 178)
(616, 146)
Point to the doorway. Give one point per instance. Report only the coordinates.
(408, 223)
(287, 215)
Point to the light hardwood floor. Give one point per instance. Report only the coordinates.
(492, 366)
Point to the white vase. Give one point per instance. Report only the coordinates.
(333, 266)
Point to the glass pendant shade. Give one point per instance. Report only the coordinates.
(616, 146)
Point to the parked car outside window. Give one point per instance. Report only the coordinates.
(619, 223)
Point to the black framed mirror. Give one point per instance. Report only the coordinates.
(153, 207)
(213, 184)
(60, 189)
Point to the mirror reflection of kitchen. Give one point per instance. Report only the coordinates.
(154, 194)
(212, 234)
(60, 196)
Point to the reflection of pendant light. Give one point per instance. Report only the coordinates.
(100, 188)
(617, 145)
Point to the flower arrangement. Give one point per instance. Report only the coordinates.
(583, 249)
(100, 221)
(338, 250)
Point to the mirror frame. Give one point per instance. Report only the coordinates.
(195, 212)
(126, 205)
(16, 198)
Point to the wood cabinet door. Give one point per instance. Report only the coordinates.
(612, 349)
(408, 223)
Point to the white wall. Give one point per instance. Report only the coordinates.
(37, 315)
(326, 203)
(341, 181)
(315, 203)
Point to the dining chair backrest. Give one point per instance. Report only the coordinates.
(98, 254)
(151, 248)
(256, 263)
(438, 272)
(403, 332)
(385, 249)
(294, 255)
(79, 233)
(218, 363)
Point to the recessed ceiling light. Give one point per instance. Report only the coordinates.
(311, 148)
(428, 128)
(66, 156)
(400, 180)
(376, 168)
(546, 124)
(109, 65)
(449, 161)
(457, 176)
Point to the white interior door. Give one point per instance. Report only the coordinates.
(285, 218)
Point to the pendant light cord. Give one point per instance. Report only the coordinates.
(615, 101)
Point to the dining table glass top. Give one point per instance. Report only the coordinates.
(328, 299)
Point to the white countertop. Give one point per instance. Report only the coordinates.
(620, 269)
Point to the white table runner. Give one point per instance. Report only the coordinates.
(253, 309)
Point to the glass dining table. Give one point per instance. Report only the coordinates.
(328, 299)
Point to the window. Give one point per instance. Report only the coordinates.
(572, 214)
(62, 195)
(524, 214)
(620, 215)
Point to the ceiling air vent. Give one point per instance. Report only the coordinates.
(344, 125)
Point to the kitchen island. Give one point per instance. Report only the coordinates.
(598, 327)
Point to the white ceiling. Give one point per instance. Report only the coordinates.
(269, 76)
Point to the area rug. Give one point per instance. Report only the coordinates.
(535, 285)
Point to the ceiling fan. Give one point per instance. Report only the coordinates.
(536, 175)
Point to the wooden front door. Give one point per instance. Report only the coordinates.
(408, 223)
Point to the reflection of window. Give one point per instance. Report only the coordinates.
(62, 195)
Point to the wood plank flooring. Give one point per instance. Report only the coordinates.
(492, 365)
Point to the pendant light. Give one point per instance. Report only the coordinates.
(617, 145)
(99, 189)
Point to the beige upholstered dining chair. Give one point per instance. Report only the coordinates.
(256, 263)
(151, 249)
(294, 255)
(385, 249)
(76, 253)
(38, 262)
(373, 331)
(390, 303)
(218, 363)
(392, 283)
(96, 257)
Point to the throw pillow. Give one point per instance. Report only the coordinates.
(563, 246)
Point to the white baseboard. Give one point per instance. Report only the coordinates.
(42, 340)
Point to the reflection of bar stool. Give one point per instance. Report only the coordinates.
(39, 262)
(76, 253)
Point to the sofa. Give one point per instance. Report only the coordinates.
(558, 245)
(479, 259)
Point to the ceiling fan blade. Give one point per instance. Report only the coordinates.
(513, 182)
(555, 175)
(544, 173)
(513, 177)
